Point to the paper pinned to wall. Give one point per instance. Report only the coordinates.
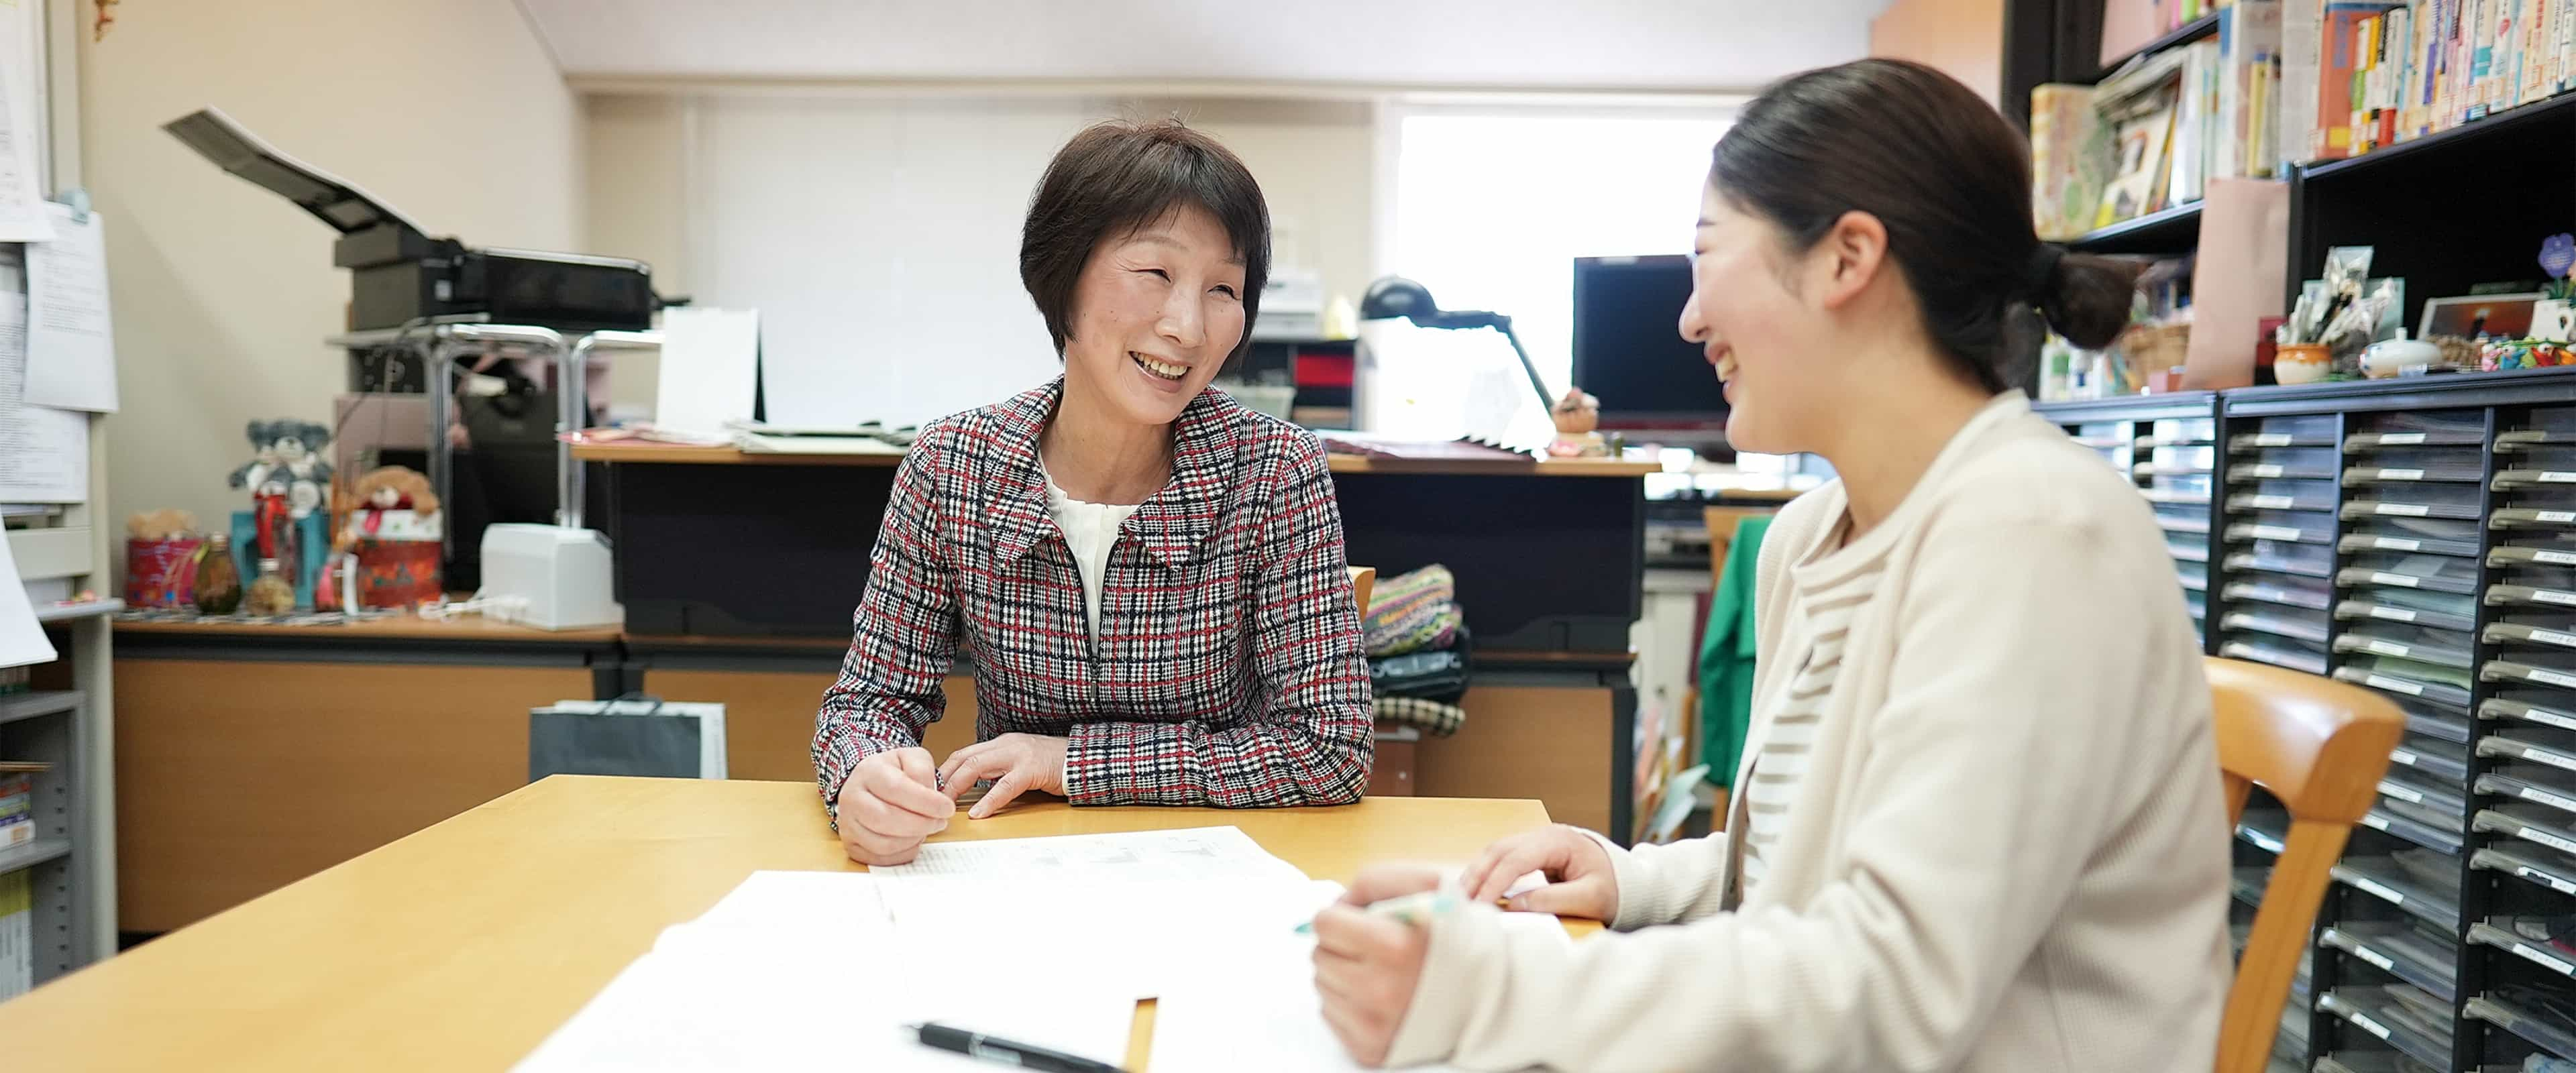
(71, 348)
(710, 368)
(22, 639)
(22, 204)
(44, 452)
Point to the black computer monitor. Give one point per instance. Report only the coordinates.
(1629, 352)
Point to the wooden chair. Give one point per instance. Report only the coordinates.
(1363, 582)
(2321, 747)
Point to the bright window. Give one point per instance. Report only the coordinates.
(1490, 208)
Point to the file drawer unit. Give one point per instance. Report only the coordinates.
(2168, 446)
(2414, 537)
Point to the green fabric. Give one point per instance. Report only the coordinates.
(1726, 658)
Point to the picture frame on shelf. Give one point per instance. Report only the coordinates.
(2505, 315)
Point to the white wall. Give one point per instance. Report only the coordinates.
(450, 111)
(783, 201)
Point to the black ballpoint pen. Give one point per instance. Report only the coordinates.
(1005, 1052)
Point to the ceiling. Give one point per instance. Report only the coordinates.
(1666, 45)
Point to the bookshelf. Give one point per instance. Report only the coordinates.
(2173, 230)
(2203, 27)
(2446, 212)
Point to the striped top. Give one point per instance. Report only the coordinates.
(1825, 594)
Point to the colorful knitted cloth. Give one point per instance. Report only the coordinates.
(1430, 716)
(1412, 612)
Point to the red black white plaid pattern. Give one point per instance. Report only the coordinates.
(1228, 669)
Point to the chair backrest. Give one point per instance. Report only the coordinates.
(2320, 746)
(1363, 582)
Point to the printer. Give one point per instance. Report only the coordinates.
(399, 275)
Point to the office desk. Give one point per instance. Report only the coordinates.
(770, 552)
(319, 743)
(464, 945)
(249, 756)
(713, 541)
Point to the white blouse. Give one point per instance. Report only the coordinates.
(1090, 530)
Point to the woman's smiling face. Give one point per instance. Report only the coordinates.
(1757, 333)
(1155, 314)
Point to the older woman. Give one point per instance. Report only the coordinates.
(1150, 576)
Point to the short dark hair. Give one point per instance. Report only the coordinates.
(1117, 176)
(1948, 177)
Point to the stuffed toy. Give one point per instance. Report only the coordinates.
(285, 477)
(393, 488)
(167, 524)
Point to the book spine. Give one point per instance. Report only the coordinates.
(2296, 136)
(2536, 45)
(2213, 132)
(17, 935)
(2562, 23)
(2047, 176)
(2365, 58)
(2482, 60)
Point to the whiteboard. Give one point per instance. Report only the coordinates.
(879, 239)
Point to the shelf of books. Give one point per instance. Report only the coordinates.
(2260, 88)
(44, 835)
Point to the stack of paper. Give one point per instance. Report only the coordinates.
(803, 970)
(1045, 941)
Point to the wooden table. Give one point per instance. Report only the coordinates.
(464, 945)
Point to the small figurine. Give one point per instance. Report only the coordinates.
(285, 478)
(1576, 416)
(390, 488)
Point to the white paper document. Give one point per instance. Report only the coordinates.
(22, 639)
(801, 899)
(22, 205)
(802, 970)
(1262, 1013)
(1189, 853)
(1263, 1016)
(44, 452)
(709, 369)
(1154, 907)
(71, 350)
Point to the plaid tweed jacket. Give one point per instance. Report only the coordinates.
(1228, 669)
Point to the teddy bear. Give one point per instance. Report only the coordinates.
(385, 489)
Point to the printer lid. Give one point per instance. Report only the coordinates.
(346, 208)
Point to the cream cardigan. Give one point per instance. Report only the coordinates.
(2009, 853)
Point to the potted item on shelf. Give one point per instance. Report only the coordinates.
(2554, 318)
(217, 583)
(2334, 322)
(2301, 363)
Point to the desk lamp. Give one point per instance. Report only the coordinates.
(1398, 298)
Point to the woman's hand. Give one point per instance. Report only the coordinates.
(1579, 880)
(1016, 762)
(1366, 966)
(889, 804)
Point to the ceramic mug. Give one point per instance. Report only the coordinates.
(2301, 363)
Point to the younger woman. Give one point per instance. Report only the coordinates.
(1980, 825)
